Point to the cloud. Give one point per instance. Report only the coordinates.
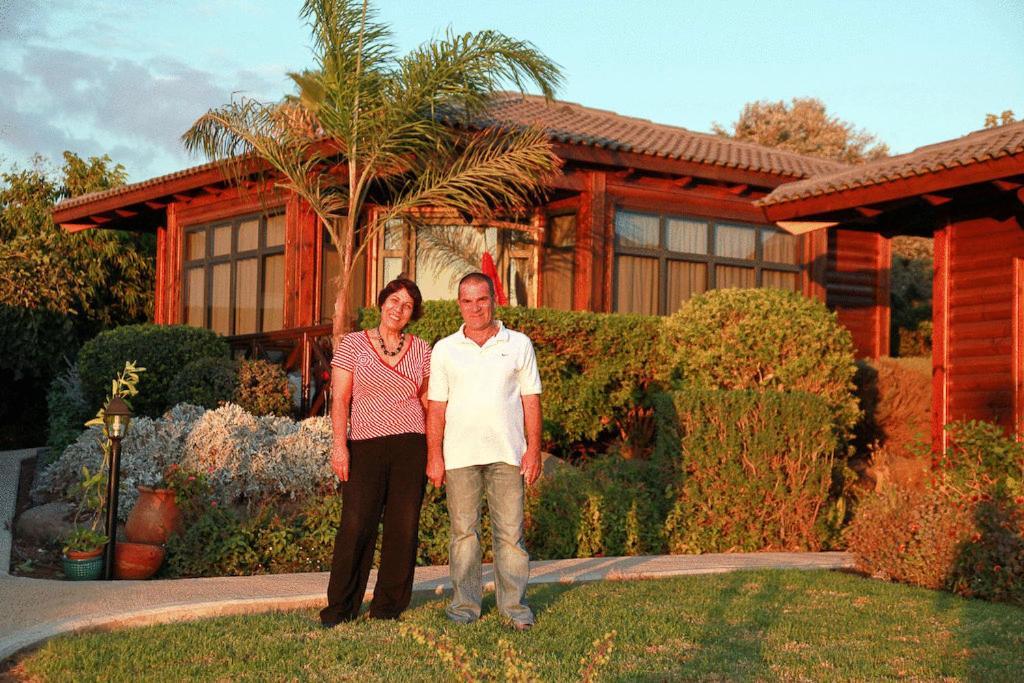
(134, 110)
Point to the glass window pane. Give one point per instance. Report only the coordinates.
(689, 237)
(779, 279)
(684, 281)
(637, 285)
(733, 276)
(779, 247)
(273, 292)
(562, 230)
(220, 299)
(557, 279)
(222, 240)
(196, 244)
(636, 229)
(195, 305)
(393, 235)
(443, 255)
(275, 230)
(246, 289)
(248, 235)
(392, 268)
(735, 241)
(328, 281)
(519, 281)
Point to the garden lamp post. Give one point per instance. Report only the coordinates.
(116, 417)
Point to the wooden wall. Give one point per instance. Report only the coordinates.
(977, 318)
(857, 287)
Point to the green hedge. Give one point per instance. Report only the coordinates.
(752, 469)
(763, 339)
(607, 507)
(162, 349)
(594, 366)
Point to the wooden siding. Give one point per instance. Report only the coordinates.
(976, 360)
(857, 287)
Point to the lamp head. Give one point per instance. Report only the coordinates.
(116, 416)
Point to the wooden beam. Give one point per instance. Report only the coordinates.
(212, 190)
(100, 220)
(126, 213)
(183, 198)
(936, 199)
(739, 189)
(156, 206)
(867, 211)
(1006, 185)
(624, 174)
(803, 227)
(683, 181)
(77, 227)
(1020, 195)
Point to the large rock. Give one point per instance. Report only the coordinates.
(550, 464)
(45, 523)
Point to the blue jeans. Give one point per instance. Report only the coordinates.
(503, 485)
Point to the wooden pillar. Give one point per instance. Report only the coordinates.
(815, 251)
(940, 338)
(883, 269)
(174, 266)
(589, 255)
(160, 295)
(301, 276)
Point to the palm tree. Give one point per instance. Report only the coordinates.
(405, 133)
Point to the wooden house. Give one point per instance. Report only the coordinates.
(642, 217)
(969, 194)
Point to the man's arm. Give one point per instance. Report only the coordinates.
(531, 465)
(435, 442)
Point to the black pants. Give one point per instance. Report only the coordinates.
(386, 475)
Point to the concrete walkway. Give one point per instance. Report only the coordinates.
(33, 610)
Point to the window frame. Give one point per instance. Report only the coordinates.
(208, 261)
(664, 255)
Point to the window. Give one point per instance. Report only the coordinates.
(330, 269)
(436, 256)
(234, 275)
(661, 261)
(559, 244)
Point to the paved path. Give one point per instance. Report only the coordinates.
(33, 610)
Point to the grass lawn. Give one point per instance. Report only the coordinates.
(767, 625)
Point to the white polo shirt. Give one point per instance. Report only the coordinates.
(483, 386)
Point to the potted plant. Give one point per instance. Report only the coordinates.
(83, 546)
(158, 512)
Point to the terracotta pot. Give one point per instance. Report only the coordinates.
(137, 560)
(84, 554)
(155, 516)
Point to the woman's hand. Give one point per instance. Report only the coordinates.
(339, 460)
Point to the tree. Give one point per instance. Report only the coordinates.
(58, 289)
(996, 120)
(404, 133)
(804, 126)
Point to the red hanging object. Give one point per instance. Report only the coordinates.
(488, 268)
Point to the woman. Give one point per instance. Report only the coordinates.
(379, 380)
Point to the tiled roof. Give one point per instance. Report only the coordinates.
(131, 187)
(976, 147)
(572, 123)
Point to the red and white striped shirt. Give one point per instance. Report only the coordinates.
(385, 399)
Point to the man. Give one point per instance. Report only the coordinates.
(483, 436)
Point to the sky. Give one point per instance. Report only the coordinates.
(127, 78)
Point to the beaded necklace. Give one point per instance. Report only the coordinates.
(398, 349)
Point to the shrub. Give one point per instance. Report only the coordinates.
(263, 389)
(67, 411)
(981, 455)
(908, 535)
(208, 382)
(895, 395)
(162, 349)
(609, 506)
(249, 460)
(594, 366)
(763, 339)
(753, 470)
(990, 564)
